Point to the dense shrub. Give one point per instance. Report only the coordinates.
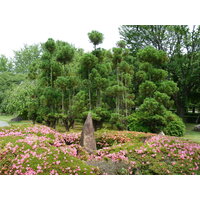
(135, 124)
(118, 120)
(175, 125)
(153, 117)
(174, 128)
(106, 139)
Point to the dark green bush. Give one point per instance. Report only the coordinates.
(134, 123)
(152, 117)
(175, 125)
(118, 120)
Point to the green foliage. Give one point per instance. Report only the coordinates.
(153, 117)
(135, 124)
(88, 62)
(153, 56)
(5, 64)
(151, 107)
(65, 52)
(168, 87)
(163, 99)
(50, 45)
(25, 57)
(121, 44)
(96, 38)
(158, 75)
(66, 84)
(175, 128)
(147, 89)
(175, 125)
(8, 81)
(140, 76)
(181, 43)
(118, 120)
(18, 100)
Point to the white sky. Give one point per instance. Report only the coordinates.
(31, 22)
(34, 21)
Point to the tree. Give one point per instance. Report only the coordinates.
(155, 95)
(96, 38)
(153, 117)
(5, 64)
(18, 100)
(25, 57)
(182, 44)
(8, 81)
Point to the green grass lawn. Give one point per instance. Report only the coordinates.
(190, 134)
(7, 118)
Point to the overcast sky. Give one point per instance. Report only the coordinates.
(34, 21)
(31, 22)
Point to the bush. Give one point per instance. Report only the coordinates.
(152, 117)
(134, 123)
(118, 120)
(146, 123)
(175, 125)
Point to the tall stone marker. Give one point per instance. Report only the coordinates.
(87, 136)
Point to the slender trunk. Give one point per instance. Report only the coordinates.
(123, 99)
(117, 76)
(181, 110)
(181, 102)
(63, 108)
(117, 104)
(97, 100)
(65, 122)
(69, 100)
(90, 100)
(52, 105)
(125, 94)
(99, 97)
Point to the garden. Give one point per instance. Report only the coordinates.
(40, 150)
(142, 95)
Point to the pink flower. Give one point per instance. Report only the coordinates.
(57, 162)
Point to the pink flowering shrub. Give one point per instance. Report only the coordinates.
(25, 158)
(109, 139)
(115, 157)
(41, 150)
(72, 138)
(167, 155)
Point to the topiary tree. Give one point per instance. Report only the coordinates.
(155, 96)
(96, 38)
(154, 117)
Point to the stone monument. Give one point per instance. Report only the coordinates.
(87, 136)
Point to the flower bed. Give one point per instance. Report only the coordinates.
(42, 150)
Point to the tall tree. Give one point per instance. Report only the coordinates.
(155, 95)
(182, 44)
(5, 64)
(24, 57)
(96, 38)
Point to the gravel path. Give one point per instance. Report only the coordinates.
(2, 124)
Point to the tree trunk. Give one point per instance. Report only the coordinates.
(90, 99)
(65, 122)
(63, 108)
(181, 110)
